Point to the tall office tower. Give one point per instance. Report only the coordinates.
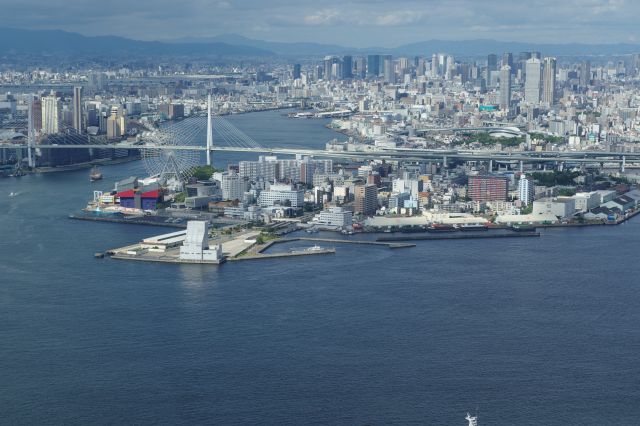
(434, 65)
(523, 57)
(296, 71)
(549, 81)
(450, 68)
(51, 114)
(465, 72)
(388, 69)
(373, 66)
(507, 59)
(505, 87)
(403, 63)
(492, 63)
(361, 67)
(36, 114)
(636, 64)
(365, 199)
(347, 67)
(327, 67)
(336, 70)
(442, 64)
(421, 67)
(585, 74)
(532, 81)
(112, 127)
(536, 55)
(526, 190)
(77, 108)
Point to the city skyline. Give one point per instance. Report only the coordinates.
(356, 23)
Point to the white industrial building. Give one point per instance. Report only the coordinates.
(196, 244)
(586, 201)
(559, 207)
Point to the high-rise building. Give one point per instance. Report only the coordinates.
(441, 63)
(485, 188)
(361, 67)
(112, 127)
(36, 114)
(330, 67)
(373, 66)
(526, 190)
(389, 72)
(265, 168)
(296, 71)
(233, 186)
(523, 57)
(450, 68)
(365, 199)
(51, 114)
(347, 67)
(585, 74)
(549, 81)
(434, 66)
(77, 109)
(505, 87)
(492, 63)
(532, 81)
(507, 59)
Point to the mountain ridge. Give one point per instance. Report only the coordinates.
(59, 42)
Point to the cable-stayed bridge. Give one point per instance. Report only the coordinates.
(184, 141)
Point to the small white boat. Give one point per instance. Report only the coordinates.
(13, 194)
(473, 420)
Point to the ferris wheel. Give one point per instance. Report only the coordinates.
(167, 155)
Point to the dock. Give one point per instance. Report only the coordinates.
(276, 255)
(166, 259)
(377, 242)
(456, 236)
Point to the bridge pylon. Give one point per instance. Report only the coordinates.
(209, 130)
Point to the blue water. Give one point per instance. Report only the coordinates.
(528, 331)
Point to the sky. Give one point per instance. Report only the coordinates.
(354, 23)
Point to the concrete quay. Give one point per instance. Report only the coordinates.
(456, 236)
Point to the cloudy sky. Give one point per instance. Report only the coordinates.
(357, 23)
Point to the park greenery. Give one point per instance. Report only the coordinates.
(204, 172)
(564, 178)
(547, 138)
(485, 139)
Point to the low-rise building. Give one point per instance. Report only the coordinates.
(559, 207)
(335, 216)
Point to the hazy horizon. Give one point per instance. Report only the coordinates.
(356, 23)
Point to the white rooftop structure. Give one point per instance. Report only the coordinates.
(196, 243)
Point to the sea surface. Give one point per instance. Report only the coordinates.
(531, 331)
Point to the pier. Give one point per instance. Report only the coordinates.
(378, 242)
(456, 236)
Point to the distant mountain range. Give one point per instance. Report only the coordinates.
(462, 47)
(57, 42)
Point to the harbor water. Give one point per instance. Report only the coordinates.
(525, 331)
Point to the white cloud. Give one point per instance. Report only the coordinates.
(398, 18)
